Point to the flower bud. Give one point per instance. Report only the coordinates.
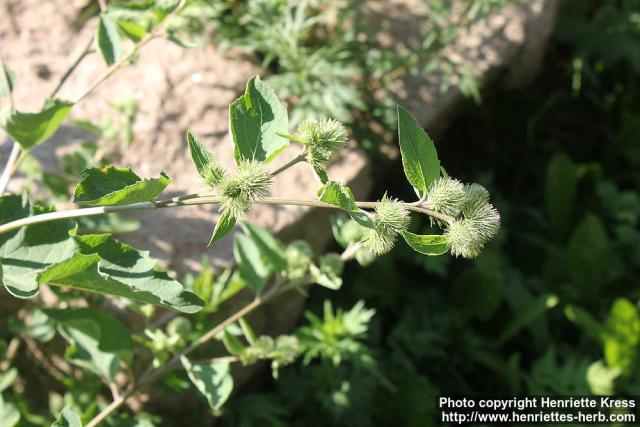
(250, 184)
(390, 218)
(213, 174)
(446, 195)
(324, 138)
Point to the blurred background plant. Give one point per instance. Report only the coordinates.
(550, 307)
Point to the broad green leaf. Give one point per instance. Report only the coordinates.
(622, 335)
(426, 244)
(213, 380)
(108, 39)
(107, 266)
(29, 129)
(419, 156)
(134, 31)
(255, 119)
(588, 253)
(561, 184)
(225, 224)
(11, 78)
(271, 248)
(68, 418)
(117, 186)
(199, 154)
(338, 195)
(253, 269)
(27, 252)
(99, 342)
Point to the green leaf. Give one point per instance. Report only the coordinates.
(247, 331)
(199, 154)
(11, 78)
(225, 224)
(232, 343)
(584, 320)
(255, 119)
(99, 342)
(134, 31)
(253, 269)
(27, 252)
(426, 244)
(107, 266)
(29, 129)
(588, 253)
(68, 418)
(338, 195)
(108, 39)
(213, 380)
(271, 248)
(419, 156)
(117, 186)
(622, 335)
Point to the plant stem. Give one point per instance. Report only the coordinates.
(299, 158)
(83, 54)
(9, 167)
(192, 200)
(158, 31)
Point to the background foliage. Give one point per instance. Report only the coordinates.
(551, 307)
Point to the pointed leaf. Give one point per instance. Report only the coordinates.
(134, 31)
(199, 154)
(225, 224)
(117, 186)
(419, 156)
(213, 380)
(426, 244)
(255, 119)
(339, 195)
(29, 129)
(108, 39)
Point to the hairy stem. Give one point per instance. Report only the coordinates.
(297, 159)
(193, 200)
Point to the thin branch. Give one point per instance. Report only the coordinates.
(9, 167)
(192, 200)
(83, 54)
(10, 354)
(297, 159)
(157, 32)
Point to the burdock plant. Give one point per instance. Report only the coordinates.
(40, 245)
